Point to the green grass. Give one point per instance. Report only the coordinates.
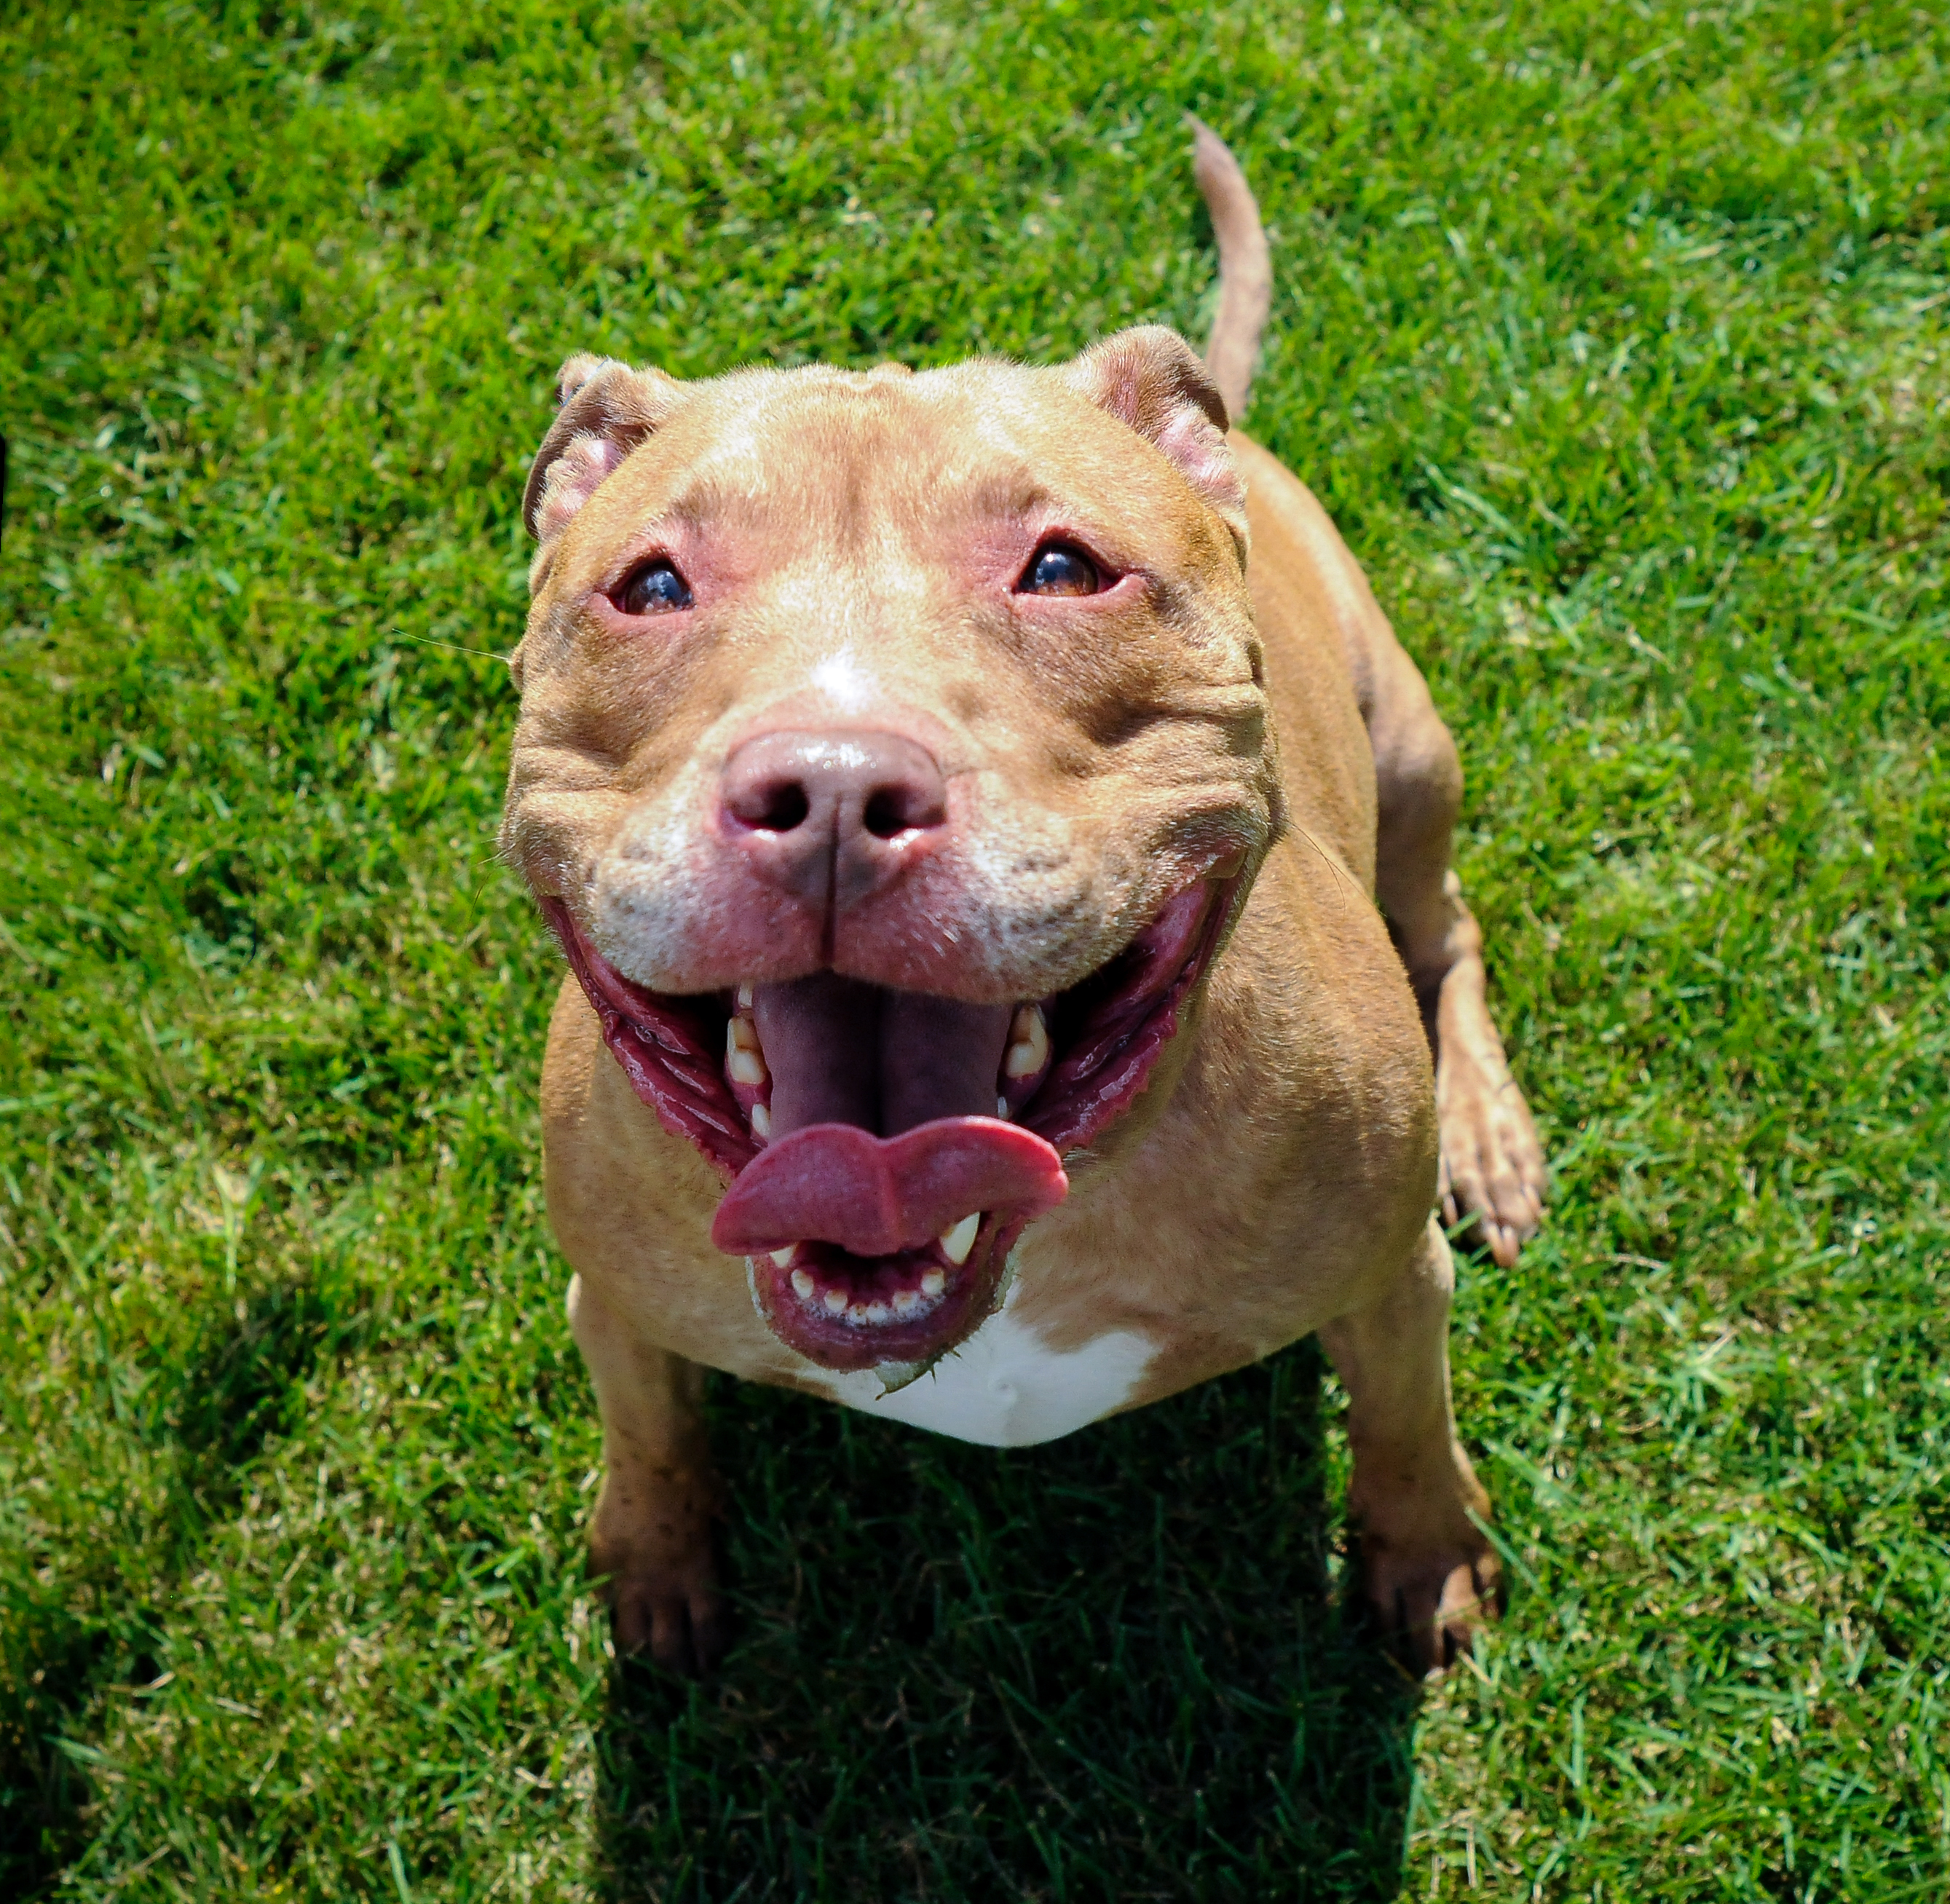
(1616, 337)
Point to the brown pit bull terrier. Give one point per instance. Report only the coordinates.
(1002, 853)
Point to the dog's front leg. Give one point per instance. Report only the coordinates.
(1492, 1164)
(652, 1532)
(1427, 1568)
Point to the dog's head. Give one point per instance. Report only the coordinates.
(892, 755)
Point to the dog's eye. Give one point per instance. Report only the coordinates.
(652, 588)
(1057, 568)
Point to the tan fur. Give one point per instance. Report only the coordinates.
(1277, 1176)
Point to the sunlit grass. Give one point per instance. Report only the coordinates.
(1614, 336)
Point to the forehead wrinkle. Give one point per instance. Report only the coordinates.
(848, 464)
(993, 472)
(1013, 492)
(955, 463)
(743, 479)
(704, 499)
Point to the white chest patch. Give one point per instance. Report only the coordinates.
(1005, 1386)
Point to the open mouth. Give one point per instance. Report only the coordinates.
(884, 1149)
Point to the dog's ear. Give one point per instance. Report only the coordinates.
(1149, 377)
(606, 409)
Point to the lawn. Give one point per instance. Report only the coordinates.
(1617, 338)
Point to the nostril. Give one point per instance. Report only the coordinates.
(782, 808)
(887, 813)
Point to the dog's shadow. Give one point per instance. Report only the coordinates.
(204, 1420)
(1113, 1666)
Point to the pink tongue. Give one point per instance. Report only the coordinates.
(836, 1183)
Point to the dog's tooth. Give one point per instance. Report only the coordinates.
(879, 1312)
(932, 1282)
(747, 996)
(782, 1257)
(906, 1302)
(1002, 1108)
(957, 1242)
(803, 1285)
(1029, 1043)
(743, 1060)
(835, 1301)
(762, 1120)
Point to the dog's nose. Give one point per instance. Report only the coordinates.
(832, 816)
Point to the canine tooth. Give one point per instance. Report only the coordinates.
(835, 1301)
(932, 1282)
(762, 1120)
(747, 996)
(743, 1035)
(782, 1257)
(802, 1284)
(906, 1302)
(1002, 1107)
(1029, 1044)
(956, 1243)
(878, 1312)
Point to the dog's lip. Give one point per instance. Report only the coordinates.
(666, 1046)
(844, 1338)
(1110, 1031)
(670, 1046)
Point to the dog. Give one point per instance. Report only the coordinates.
(1001, 853)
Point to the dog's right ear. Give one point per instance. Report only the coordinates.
(607, 408)
(1150, 377)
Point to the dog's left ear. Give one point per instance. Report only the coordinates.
(607, 408)
(1152, 379)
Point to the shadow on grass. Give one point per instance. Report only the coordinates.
(1109, 1667)
(50, 1665)
(66, 1637)
(247, 1381)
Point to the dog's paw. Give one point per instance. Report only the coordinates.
(1427, 1569)
(1430, 1603)
(679, 1618)
(1491, 1174)
(652, 1544)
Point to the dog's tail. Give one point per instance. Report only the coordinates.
(1245, 268)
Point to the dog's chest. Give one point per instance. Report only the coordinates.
(1006, 1387)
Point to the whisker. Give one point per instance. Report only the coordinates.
(427, 641)
(1341, 872)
